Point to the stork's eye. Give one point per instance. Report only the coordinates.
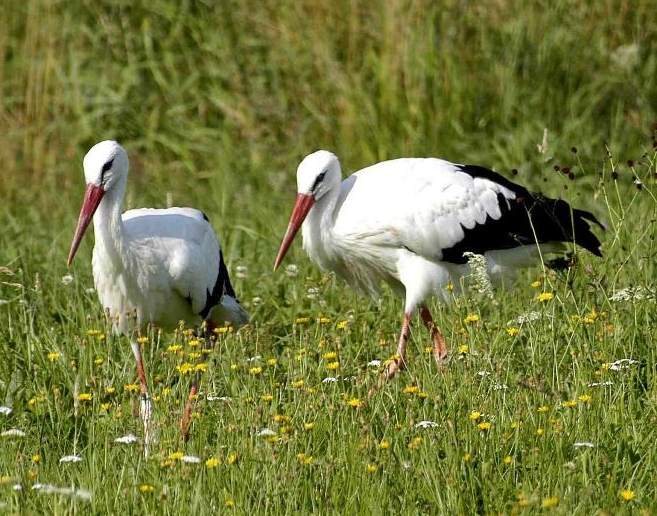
(319, 179)
(107, 166)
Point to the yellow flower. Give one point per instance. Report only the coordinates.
(536, 284)
(201, 368)
(302, 320)
(627, 494)
(569, 403)
(142, 340)
(372, 468)
(552, 501)
(342, 325)
(185, 368)
(297, 383)
(384, 444)
(330, 355)
(221, 329)
(174, 348)
(229, 503)
(146, 488)
(422, 395)
(194, 343)
(545, 296)
(584, 398)
(415, 443)
(309, 426)
(471, 318)
(85, 396)
(53, 356)
(540, 431)
(267, 397)
(166, 391)
(105, 407)
(324, 320)
(93, 333)
(467, 457)
(411, 389)
(463, 349)
(474, 415)
(516, 424)
(255, 371)
(130, 387)
(281, 418)
(99, 361)
(508, 460)
(543, 408)
(272, 362)
(231, 459)
(449, 287)
(305, 459)
(332, 366)
(484, 426)
(36, 458)
(193, 355)
(512, 331)
(176, 455)
(355, 403)
(212, 462)
(234, 367)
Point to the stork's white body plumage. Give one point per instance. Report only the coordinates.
(151, 266)
(408, 222)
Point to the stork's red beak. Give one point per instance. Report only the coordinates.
(301, 208)
(92, 197)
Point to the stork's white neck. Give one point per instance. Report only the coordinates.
(108, 224)
(317, 229)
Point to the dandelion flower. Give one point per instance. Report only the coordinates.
(201, 368)
(185, 368)
(309, 426)
(543, 297)
(463, 349)
(584, 398)
(536, 284)
(232, 458)
(627, 495)
(471, 318)
(508, 460)
(229, 503)
(355, 403)
(540, 431)
(474, 415)
(297, 384)
(342, 325)
(178, 455)
(552, 501)
(53, 356)
(146, 488)
(142, 340)
(255, 371)
(332, 366)
(384, 444)
(415, 443)
(330, 355)
(85, 396)
(484, 426)
(305, 459)
(372, 468)
(512, 331)
(130, 387)
(569, 403)
(543, 408)
(272, 362)
(267, 397)
(411, 389)
(212, 462)
(467, 457)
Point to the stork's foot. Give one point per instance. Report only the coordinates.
(394, 366)
(440, 354)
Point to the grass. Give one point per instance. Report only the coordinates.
(217, 103)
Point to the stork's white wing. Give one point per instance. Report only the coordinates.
(424, 205)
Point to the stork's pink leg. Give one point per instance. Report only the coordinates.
(399, 362)
(439, 344)
(186, 419)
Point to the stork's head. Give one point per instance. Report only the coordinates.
(105, 167)
(317, 174)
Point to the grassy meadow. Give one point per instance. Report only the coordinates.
(217, 102)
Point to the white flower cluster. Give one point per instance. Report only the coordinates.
(634, 294)
(479, 274)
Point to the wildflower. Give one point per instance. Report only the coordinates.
(146, 488)
(540, 431)
(309, 426)
(5, 411)
(229, 503)
(426, 424)
(584, 398)
(99, 361)
(185, 368)
(342, 325)
(484, 426)
(305, 459)
(281, 418)
(241, 271)
(422, 395)
(53, 356)
(267, 397)
(479, 273)
(174, 348)
(516, 424)
(415, 443)
(13, 432)
(130, 387)
(291, 270)
(178, 455)
(302, 320)
(545, 296)
(67, 279)
(512, 331)
(411, 389)
(384, 444)
(234, 367)
(70, 458)
(85, 396)
(142, 340)
(36, 458)
(543, 408)
(552, 501)
(312, 293)
(471, 318)
(627, 495)
(463, 349)
(467, 457)
(330, 355)
(332, 366)
(255, 371)
(474, 415)
(212, 462)
(324, 320)
(374, 363)
(583, 444)
(93, 333)
(372, 468)
(355, 403)
(536, 284)
(272, 362)
(298, 383)
(569, 403)
(449, 287)
(508, 460)
(191, 459)
(126, 439)
(329, 379)
(232, 458)
(623, 363)
(104, 407)
(266, 432)
(222, 329)
(201, 368)
(194, 343)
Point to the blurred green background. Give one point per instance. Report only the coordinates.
(218, 101)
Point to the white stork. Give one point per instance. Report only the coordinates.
(408, 222)
(151, 266)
